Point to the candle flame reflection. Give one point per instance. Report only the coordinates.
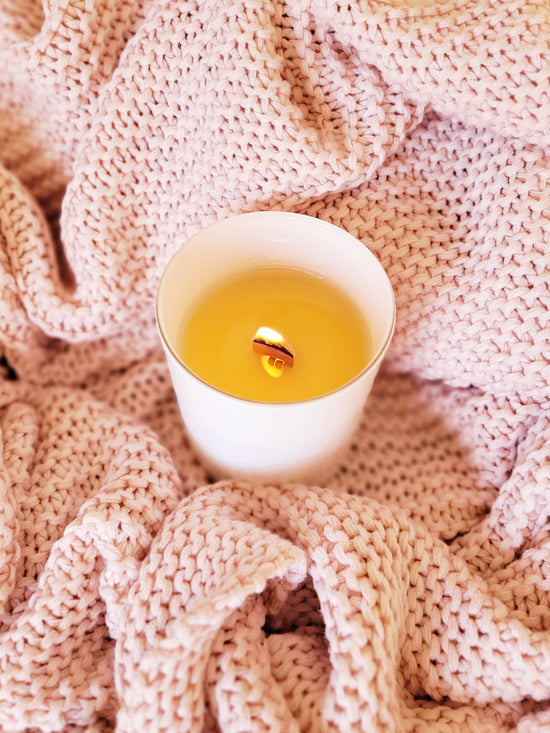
(273, 366)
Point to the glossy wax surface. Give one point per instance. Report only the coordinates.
(323, 327)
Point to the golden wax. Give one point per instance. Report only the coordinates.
(325, 329)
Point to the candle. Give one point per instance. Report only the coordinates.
(274, 326)
(235, 338)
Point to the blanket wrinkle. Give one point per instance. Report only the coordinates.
(372, 566)
(76, 541)
(409, 591)
(439, 52)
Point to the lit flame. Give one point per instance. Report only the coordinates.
(269, 334)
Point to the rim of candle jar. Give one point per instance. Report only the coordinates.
(369, 366)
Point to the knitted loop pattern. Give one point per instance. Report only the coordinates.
(410, 591)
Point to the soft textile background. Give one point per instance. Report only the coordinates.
(409, 592)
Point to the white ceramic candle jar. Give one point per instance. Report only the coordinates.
(271, 441)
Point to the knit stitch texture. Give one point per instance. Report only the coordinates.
(410, 591)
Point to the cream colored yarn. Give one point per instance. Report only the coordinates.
(411, 590)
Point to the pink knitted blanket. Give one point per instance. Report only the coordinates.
(411, 590)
